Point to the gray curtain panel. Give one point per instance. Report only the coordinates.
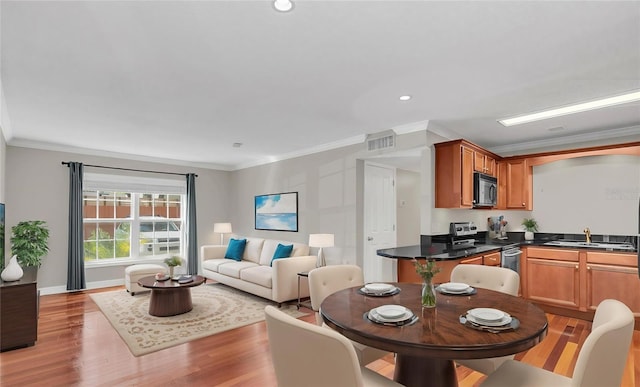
(75, 268)
(192, 228)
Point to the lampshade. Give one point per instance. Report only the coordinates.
(222, 228)
(321, 240)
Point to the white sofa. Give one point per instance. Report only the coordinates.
(254, 273)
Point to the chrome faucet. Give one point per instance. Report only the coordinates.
(587, 233)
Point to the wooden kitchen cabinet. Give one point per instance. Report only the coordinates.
(519, 185)
(612, 275)
(466, 177)
(492, 259)
(475, 260)
(454, 167)
(553, 277)
(484, 163)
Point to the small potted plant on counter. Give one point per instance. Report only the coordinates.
(530, 226)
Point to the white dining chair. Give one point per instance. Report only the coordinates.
(326, 280)
(600, 363)
(495, 278)
(305, 354)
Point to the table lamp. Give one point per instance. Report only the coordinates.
(320, 241)
(222, 228)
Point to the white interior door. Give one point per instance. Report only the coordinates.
(379, 222)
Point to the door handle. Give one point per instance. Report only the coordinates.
(369, 239)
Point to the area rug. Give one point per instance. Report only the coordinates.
(216, 308)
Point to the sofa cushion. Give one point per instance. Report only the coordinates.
(236, 249)
(259, 275)
(233, 269)
(253, 250)
(214, 264)
(282, 251)
(270, 246)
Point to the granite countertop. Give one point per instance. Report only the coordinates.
(437, 251)
(443, 251)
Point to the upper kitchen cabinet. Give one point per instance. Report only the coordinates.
(519, 185)
(484, 163)
(455, 163)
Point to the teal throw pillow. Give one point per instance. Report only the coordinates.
(235, 250)
(282, 251)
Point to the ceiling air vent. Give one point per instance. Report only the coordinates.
(382, 140)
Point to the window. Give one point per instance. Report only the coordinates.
(140, 223)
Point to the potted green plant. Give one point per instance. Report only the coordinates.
(172, 262)
(30, 242)
(530, 226)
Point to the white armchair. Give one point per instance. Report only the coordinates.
(305, 354)
(495, 278)
(601, 360)
(327, 280)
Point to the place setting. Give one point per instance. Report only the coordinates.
(391, 315)
(489, 320)
(456, 288)
(379, 290)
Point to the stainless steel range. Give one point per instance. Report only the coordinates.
(462, 235)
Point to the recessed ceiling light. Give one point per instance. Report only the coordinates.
(405, 97)
(580, 107)
(283, 5)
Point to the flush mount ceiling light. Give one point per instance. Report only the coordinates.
(405, 97)
(283, 5)
(580, 107)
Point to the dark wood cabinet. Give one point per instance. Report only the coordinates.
(19, 311)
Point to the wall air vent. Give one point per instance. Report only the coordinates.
(382, 140)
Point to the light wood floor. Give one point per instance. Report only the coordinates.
(77, 347)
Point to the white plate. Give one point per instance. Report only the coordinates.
(373, 315)
(455, 287)
(487, 314)
(367, 291)
(504, 321)
(447, 291)
(391, 311)
(378, 287)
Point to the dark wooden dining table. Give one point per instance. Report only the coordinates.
(425, 350)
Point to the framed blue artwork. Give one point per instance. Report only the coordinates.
(277, 212)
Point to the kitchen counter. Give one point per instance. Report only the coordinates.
(443, 252)
(436, 251)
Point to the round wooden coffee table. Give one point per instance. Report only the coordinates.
(169, 298)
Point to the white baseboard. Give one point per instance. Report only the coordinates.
(90, 285)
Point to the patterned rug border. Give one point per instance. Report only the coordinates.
(216, 308)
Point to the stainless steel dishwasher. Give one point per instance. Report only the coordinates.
(510, 257)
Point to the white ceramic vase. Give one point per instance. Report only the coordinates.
(528, 235)
(13, 271)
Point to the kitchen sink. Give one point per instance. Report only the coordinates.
(593, 245)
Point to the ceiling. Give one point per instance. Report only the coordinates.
(184, 80)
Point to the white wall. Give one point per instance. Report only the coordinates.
(407, 207)
(599, 192)
(37, 188)
(329, 186)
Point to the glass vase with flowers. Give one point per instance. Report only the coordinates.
(426, 271)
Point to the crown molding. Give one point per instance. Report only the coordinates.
(304, 152)
(577, 138)
(21, 143)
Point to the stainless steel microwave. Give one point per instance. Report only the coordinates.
(485, 190)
